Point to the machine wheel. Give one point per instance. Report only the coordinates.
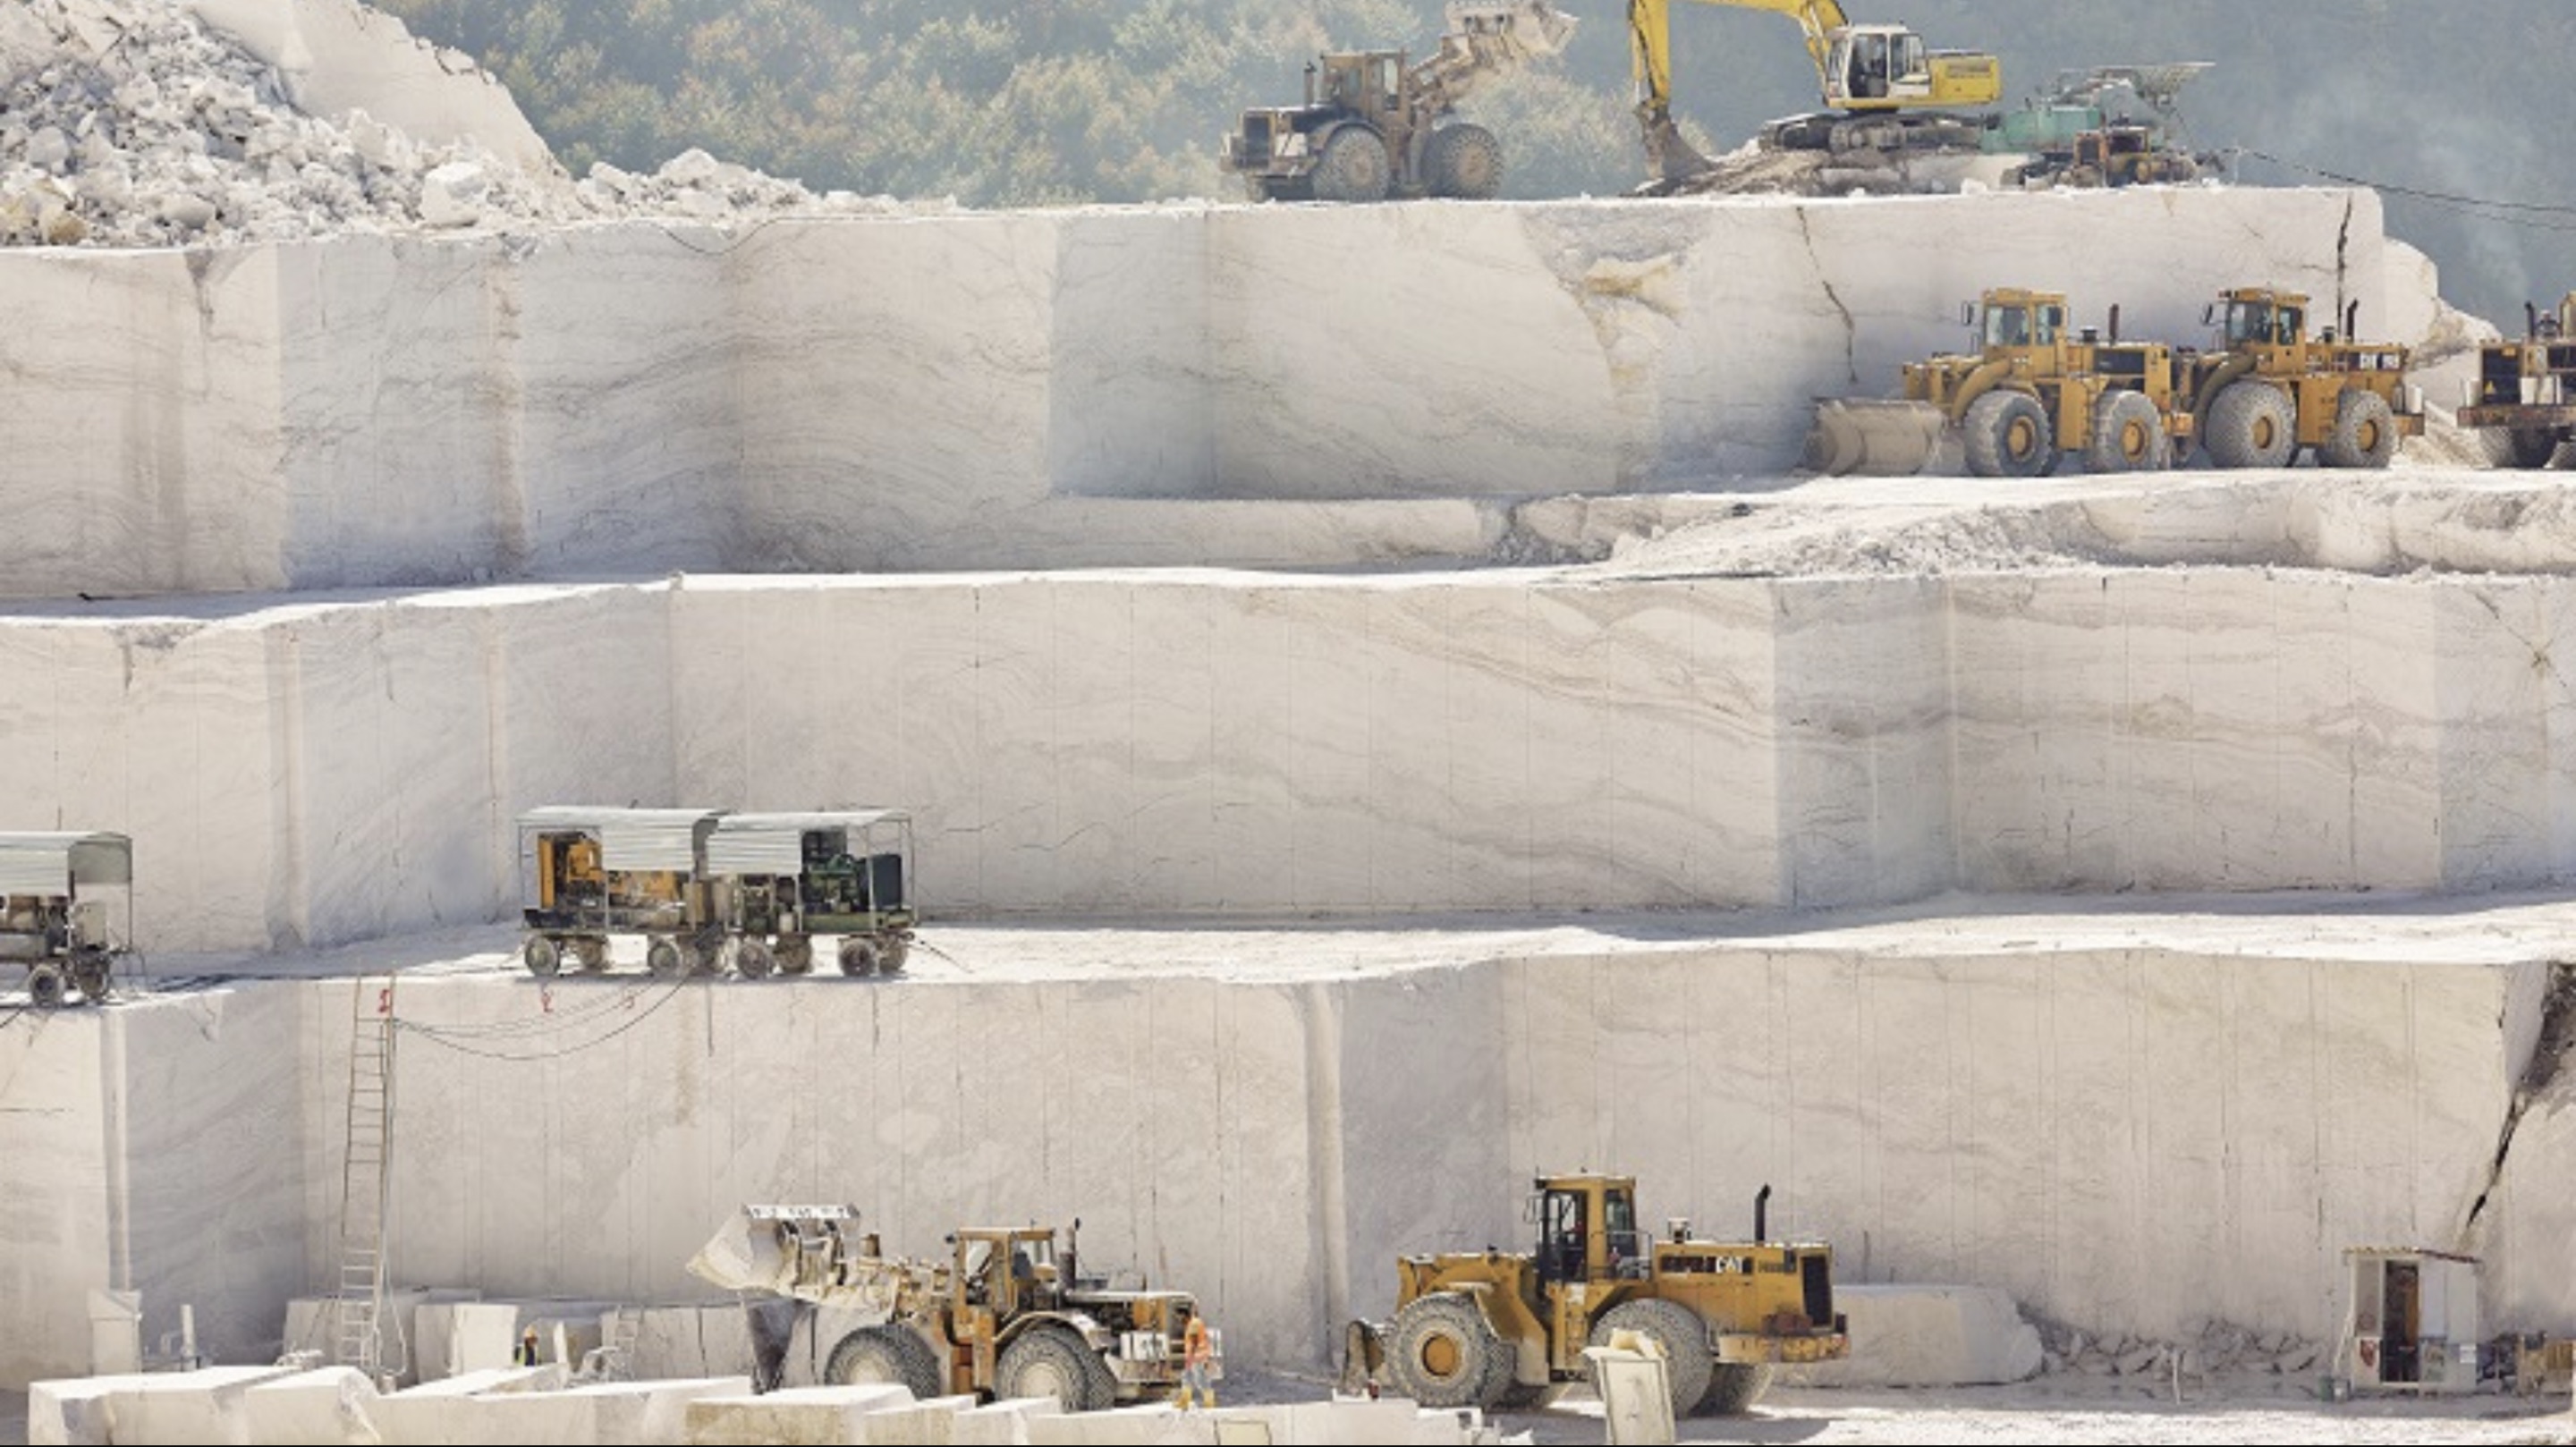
(752, 959)
(90, 972)
(888, 1353)
(542, 955)
(2365, 432)
(1050, 1361)
(1682, 1336)
(2251, 425)
(45, 985)
(795, 954)
(1443, 1353)
(1733, 1388)
(662, 956)
(2128, 435)
(2007, 435)
(1353, 166)
(2533, 447)
(592, 952)
(858, 957)
(892, 951)
(1464, 161)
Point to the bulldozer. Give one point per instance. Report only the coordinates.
(1376, 125)
(2267, 390)
(1883, 88)
(1007, 1314)
(2034, 389)
(1506, 1330)
(2527, 388)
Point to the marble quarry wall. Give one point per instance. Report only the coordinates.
(2135, 1141)
(1229, 744)
(916, 392)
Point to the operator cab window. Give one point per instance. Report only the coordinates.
(2052, 320)
(2248, 321)
(2007, 326)
(1390, 83)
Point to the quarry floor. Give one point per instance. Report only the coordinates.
(2053, 1410)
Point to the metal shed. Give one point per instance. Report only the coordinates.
(637, 840)
(774, 844)
(2412, 1320)
(55, 864)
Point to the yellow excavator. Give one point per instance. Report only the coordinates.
(1884, 89)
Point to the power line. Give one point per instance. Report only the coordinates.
(2478, 205)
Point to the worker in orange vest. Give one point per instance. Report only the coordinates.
(1198, 1362)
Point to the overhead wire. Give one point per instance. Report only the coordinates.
(2529, 214)
(453, 1037)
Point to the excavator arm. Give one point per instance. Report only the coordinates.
(1650, 45)
(1906, 76)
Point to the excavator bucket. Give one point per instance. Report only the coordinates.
(1886, 439)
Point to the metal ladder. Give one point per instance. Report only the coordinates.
(359, 1299)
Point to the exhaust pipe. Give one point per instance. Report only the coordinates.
(2115, 323)
(2530, 322)
(1762, 1213)
(2352, 321)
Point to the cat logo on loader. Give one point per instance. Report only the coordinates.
(1506, 1330)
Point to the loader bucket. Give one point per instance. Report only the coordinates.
(1886, 439)
(1532, 28)
(743, 1255)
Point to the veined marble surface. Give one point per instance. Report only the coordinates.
(1217, 744)
(961, 391)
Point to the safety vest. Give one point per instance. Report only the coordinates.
(1195, 1345)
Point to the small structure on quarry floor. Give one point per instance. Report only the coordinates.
(2412, 1320)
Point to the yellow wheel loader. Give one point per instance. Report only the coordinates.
(2035, 388)
(1506, 1330)
(1376, 125)
(2269, 390)
(1008, 1314)
(2527, 388)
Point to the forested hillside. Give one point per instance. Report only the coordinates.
(2462, 114)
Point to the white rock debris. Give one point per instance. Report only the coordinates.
(131, 123)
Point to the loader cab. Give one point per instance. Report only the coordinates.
(2018, 320)
(1588, 1228)
(1009, 1271)
(2257, 320)
(1369, 83)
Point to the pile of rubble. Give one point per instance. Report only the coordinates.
(131, 123)
(2221, 1349)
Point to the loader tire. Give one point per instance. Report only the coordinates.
(752, 959)
(2128, 435)
(1683, 1337)
(2533, 447)
(1733, 1388)
(45, 986)
(1353, 167)
(592, 952)
(2007, 435)
(889, 1353)
(2365, 432)
(892, 951)
(542, 955)
(1443, 1353)
(663, 958)
(1050, 1361)
(1463, 161)
(2251, 425)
